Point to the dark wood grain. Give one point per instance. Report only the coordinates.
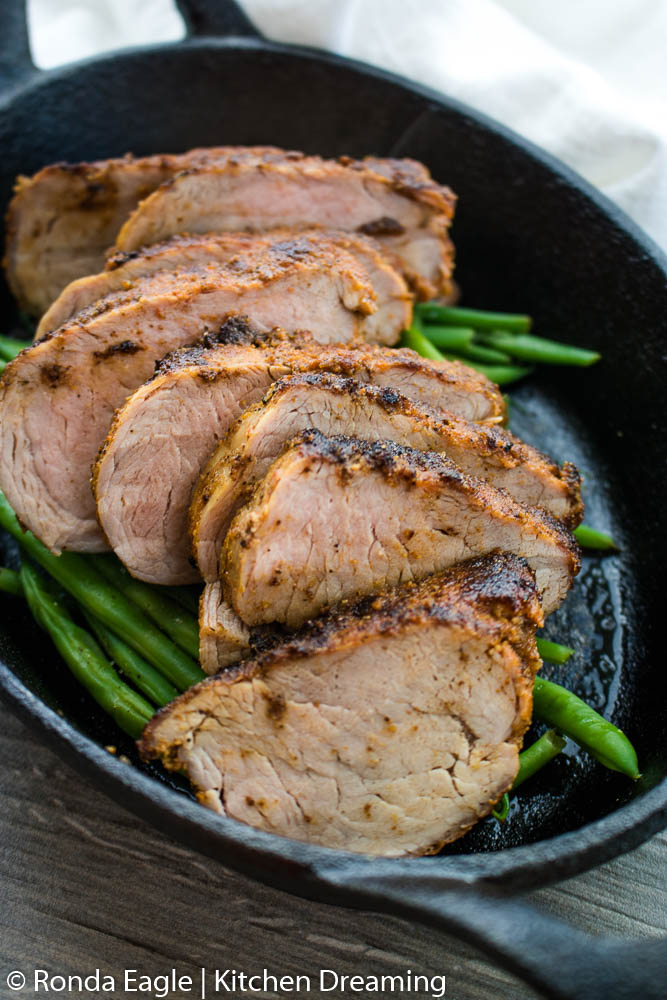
(86, 885)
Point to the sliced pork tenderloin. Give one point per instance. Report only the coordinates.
(335, 405)
(337, 517)
(223, 637)
(393, 299)
(161, 438)
(58, 397)
(389, 728)
(63, 219)
(395, 201)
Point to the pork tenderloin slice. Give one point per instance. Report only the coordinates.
(62, 220)
(393, 298)
(397, 203)
(161, 438)
(157, 445)
(335, 405)
(58, 397)
(388, 729)
(337, 517)
(223, 638)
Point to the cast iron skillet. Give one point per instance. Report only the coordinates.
(531, 236)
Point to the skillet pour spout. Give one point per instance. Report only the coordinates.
(531, 236)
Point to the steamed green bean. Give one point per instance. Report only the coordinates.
(565, 711)
(84, 657)
(169, 616)
(478, 319)
(77, 574)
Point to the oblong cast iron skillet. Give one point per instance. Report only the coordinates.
(531, 236)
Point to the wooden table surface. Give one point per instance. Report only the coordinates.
(86, 885)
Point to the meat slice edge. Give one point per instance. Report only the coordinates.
(387, 729)
(223, 638)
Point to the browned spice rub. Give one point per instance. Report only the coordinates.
(282, 248)
(395, 201)
(339, 516)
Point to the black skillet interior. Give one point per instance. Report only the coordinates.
(530, 238)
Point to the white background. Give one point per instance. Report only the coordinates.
(586, 79)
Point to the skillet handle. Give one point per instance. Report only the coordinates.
(16, 65)
(217, 18)
(560, 962)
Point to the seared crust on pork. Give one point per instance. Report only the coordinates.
(161, 438)
(442, 386)
(388, 728)
(392, 298)
(337, 517)
(395, 201)
(335, 405)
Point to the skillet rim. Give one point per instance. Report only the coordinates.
(517, 868)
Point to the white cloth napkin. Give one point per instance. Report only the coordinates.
(588, 82)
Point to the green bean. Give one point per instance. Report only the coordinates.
(502, 809)
(451, 338)
(3, 365)
(10, 347)
(84, 657)
(500, 374)
(548, 352)
(167, 614)
(558, 707)
(531, 760)
(487, 355)
(479, 319)
(534, 757)
(553, 652)
(589, 538)
(416, 340)
(135, 668)
(10, 582)
(79, 577)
